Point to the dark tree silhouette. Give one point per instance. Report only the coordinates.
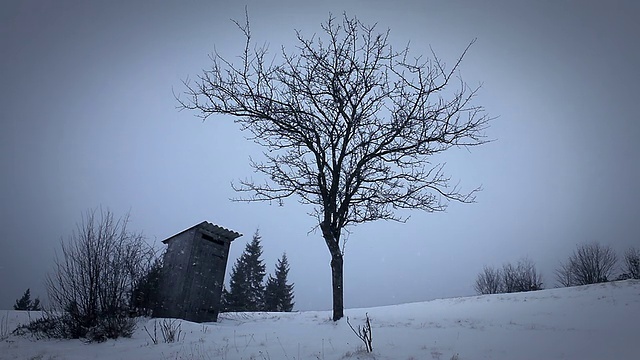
(589, 264)
(632, 263)
(489, 281)
(35, 305)
(564, 274)
(520, 278)
(246, 288)
(25, 302)
(96, 273)
(278, 292)
(234, 299)
(509, 279)
(350, 125)
(146, 292)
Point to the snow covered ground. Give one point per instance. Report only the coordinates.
(589, 322)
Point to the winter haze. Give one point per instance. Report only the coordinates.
(88, 118)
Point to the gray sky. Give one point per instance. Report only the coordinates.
(88, 118)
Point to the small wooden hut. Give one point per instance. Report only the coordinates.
(193, 273)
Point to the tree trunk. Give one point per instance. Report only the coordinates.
(332, 241)
(337, 285)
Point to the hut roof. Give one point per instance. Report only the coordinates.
(212, 228)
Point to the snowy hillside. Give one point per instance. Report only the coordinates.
(589, 322)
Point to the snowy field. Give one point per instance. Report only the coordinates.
(589, 322)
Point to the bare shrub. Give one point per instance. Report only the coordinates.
(589, 264)
(489, 281)
(47, 326)
(564, 274)
(170, 329)
(95, 275)
(632, 263)
(519, 278)
(111, 327)
(522, 277)
(55, 325)
(154, 336)
(364, 333)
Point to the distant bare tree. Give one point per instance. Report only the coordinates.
(509, 279)
(589, 264)
(522, 277)
(632, 263)
(489, 281)
(530, 278)
(96, 273)
(350, 125)
(564, 274)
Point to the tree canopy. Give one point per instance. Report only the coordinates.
(349, 123)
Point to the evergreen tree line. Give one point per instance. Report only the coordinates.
(247, 289)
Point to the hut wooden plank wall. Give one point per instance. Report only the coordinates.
(193, 272)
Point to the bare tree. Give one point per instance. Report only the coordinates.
(632, 263)
(349, 123)
(564, 274)
(509, 279)
(522, 277)
(97, 271)
(589, 264)
(489, 281)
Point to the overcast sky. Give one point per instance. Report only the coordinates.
(88, 118)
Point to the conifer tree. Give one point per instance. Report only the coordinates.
(146, 293)
(235, 299)
(35, 305)
(25, 303)
(255, 274)
(224, 299)
(279, 294)
(246, 288)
